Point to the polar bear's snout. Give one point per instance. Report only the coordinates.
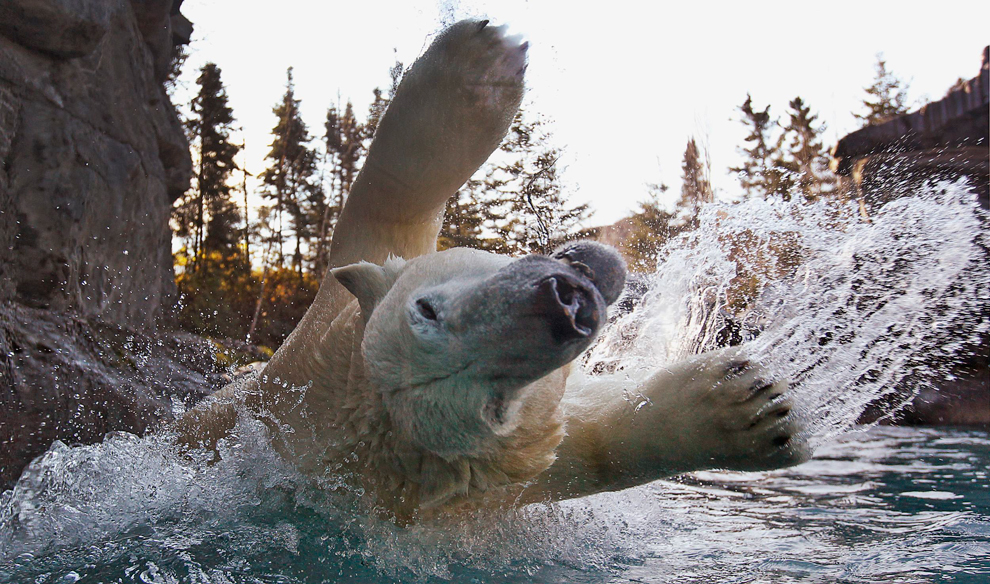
(572, 309)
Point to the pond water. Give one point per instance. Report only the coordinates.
(851, 309)
(883, 505)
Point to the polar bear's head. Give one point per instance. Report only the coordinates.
(452, 339)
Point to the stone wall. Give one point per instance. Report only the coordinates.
(92, 153)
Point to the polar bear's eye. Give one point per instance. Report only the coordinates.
(426, 309)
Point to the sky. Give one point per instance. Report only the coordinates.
(623, 84)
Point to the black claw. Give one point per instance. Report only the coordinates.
(783, 412)
(523, 47)
(736, 368)
(774, 396)
(482, 25)
(781, 440)
(758, 389)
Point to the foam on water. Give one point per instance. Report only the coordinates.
(849, 309)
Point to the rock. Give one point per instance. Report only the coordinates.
(64, 377)
(154, 22)
(93, 157)
(61, 28)
(947, 139)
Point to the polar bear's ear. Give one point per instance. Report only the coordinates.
(369, 283)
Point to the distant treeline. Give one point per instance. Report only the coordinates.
(250, 271)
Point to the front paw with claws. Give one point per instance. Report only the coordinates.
(451, 110)
(751, 422)
(719, 410)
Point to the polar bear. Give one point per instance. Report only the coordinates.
(440, 381)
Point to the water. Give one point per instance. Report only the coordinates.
(858, 310)
(888, 505)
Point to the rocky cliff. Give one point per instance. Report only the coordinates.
(947, 139)
(93, 155)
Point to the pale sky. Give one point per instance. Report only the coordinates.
(624, 84)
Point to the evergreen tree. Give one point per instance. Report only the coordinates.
(652, 227)
(885, 98)
(471, 219)
(758, 175)
(208, 217)
(802, 154)
(343, 141)
(537, 218)
(463, 220)
(179, 56)
(375, 112)
(214, 281)
(381, 100)
(212, 124)
(696, 189)
(289, 179)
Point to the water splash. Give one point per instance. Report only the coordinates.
(849, 308)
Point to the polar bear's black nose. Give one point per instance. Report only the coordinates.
(570, 308)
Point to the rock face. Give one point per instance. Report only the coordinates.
(947, 138)
(93, 156)
(74, 379)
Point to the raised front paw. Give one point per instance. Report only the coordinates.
(483, 60)
(449, 113)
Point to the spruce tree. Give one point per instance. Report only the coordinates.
(212, 123)
(381, 100)
(696, 189)
(208, 217)
(885, 98)
(376, 110)
(289, 178)
(216, 282)
(759, 176)
(652, 227)
(469, 220)
(802, 154)
(537, 219)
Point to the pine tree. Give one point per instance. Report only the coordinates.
(289, 178)
(652, 228)
(375, 112)
(696, 189)
(381, 100)
(536, 218)
(208, 217)
(464, 219)
(344, 150)
(802, 154)
(212, 124)
(215, 280)
(758, 175)
(885, 98)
